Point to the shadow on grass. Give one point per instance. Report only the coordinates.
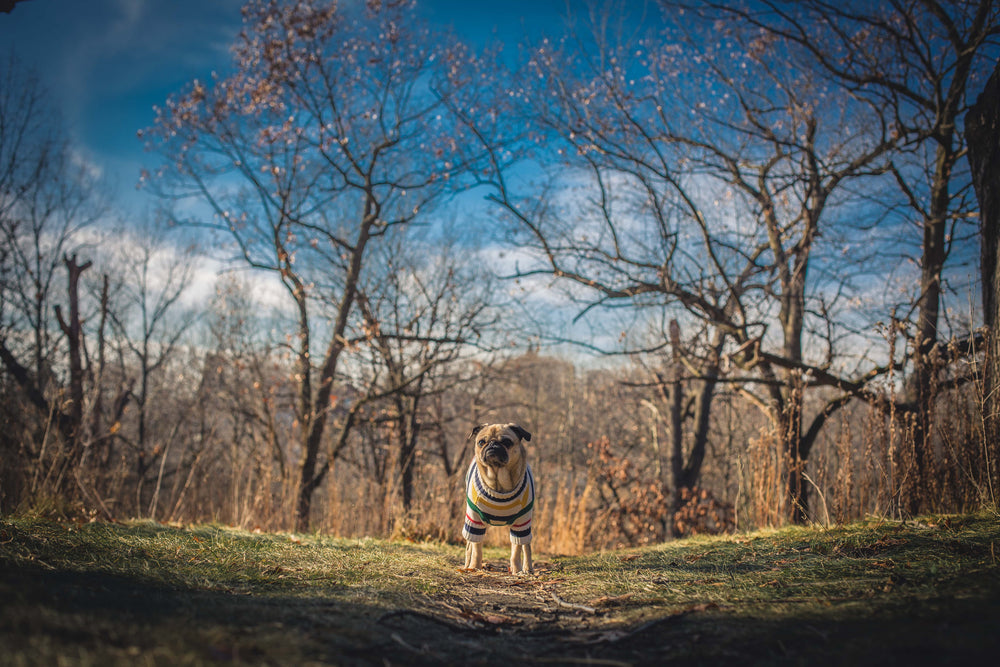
(106, 618)
(941, 632)
(95, 618)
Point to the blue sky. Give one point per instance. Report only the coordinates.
(106, 63)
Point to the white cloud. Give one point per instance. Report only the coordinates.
(164, 257)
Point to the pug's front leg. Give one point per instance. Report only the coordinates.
(520, 559)
(515, 558)
(473, 555)
(528, 567)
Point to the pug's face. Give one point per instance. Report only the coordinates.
(500, 446)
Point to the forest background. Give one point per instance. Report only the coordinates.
(721, 260)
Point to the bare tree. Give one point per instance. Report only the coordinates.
(686, 382)
(918, 61)
(240, 430)
(425, 314)
(705, 169)
(326, 137)
(151, 276)
(46, 198)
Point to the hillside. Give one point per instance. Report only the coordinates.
(921, 592)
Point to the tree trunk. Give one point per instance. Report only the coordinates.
(309, 479)
(674, 395)
(72, 330)
(797, 457)
(982, 129)
(925, 366)
(792, 318)
(703, 413)
(94, 427)
(931, 266)
(687, 473)
(409, 433)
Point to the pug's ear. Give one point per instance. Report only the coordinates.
(476, 429)
(520, 432)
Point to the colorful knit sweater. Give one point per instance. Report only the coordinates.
(485, 506)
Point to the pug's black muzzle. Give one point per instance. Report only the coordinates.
(495, 454)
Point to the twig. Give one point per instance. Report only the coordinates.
(570, 605)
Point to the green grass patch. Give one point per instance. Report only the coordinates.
(140, 593)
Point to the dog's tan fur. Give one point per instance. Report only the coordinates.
(504, 477)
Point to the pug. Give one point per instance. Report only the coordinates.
(499, 491)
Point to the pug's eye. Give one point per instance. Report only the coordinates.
(481, 442)
(506, 442)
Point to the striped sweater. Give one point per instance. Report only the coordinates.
(485, 506)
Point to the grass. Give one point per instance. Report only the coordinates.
(874, 592)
